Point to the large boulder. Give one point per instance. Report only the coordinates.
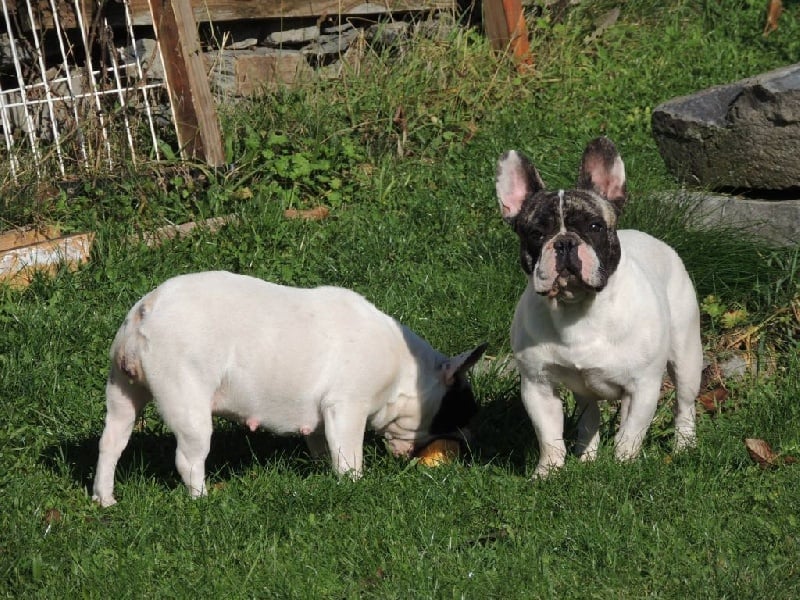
(740, 136)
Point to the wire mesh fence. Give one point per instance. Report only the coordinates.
(78, 90)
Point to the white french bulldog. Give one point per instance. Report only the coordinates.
(324, 363)
(604, 311)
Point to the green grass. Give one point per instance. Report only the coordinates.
(418, 232)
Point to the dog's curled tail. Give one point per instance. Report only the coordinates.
(130, 341)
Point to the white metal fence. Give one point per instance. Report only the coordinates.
(83, 93)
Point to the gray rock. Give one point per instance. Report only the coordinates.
(341, 28)
(293, 36)
(388, 34)
(774, 221)
(149, 58)
(242, 44)
(744, 135)
(331, 44)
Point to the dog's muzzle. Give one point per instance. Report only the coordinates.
(567, 259)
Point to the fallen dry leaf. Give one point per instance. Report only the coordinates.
(399, 119)
(311, 214)
(472, 129)
(52, 515)
(713, 400)
(761, 453)
(601, 25)
(774, 10)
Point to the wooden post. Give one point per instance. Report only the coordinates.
(193, 105)
(505, 25)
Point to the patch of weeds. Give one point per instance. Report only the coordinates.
(273, 164)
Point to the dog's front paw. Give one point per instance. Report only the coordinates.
(627, 450)
(685, 441)
(545, 469)
(104, 501)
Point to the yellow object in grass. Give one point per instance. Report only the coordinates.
(439, 452)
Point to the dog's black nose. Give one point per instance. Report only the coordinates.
(564, 246)
(567, 259)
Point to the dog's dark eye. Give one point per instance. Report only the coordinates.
(597, 227)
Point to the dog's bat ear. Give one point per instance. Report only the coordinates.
(603, 171)
(516, 179)
(461, 363)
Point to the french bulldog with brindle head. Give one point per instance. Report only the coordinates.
(604, 313)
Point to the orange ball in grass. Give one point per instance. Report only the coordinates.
(439, 452)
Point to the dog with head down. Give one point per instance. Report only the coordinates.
(323, 363)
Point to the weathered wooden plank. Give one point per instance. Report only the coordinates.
(19, 265)
(193, 105)
(219, 11)
(43, 13)
(232, 10)
(25, 236)
(495, 24)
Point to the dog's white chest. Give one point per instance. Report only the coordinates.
(591, 382)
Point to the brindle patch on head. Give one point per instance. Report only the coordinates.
(537, 222)
(583, 206)
(594, 220)
(547, 214)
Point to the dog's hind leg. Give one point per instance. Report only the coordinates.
(124, 401)
(185, 406)
(190, 457)
(636, 413)
(685, 369)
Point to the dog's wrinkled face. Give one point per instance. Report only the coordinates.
(449, 414)
(568, 240)
(458, 406)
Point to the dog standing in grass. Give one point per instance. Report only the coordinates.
(323, 362)
(604, 312)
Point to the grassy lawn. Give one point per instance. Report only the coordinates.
(414, 226)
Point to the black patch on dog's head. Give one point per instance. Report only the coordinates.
(536, 222)
(457, 408)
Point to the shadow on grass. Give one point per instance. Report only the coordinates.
(503, 436)
(233, 452)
